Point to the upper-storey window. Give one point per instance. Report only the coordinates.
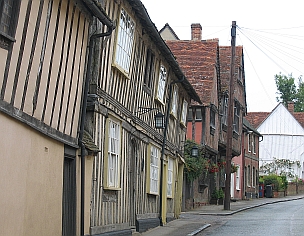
(225, 110)
(236, 124)
(184, 113)
(149, 69)
(125, 40)
(253, 144)
(198, 114)
(250, 142)
(174, 101)
(161, 83)
(190, 114)
(212, 119)
(8, 15)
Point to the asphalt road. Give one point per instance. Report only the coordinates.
(285, 218)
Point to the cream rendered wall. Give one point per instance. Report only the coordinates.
(31, 173)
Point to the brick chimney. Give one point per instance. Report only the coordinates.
(290, 107)
(196, 31)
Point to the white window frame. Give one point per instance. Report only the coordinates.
(113, 158)
(184, 113)
(248, 176)
(225, 110)
(124, 44)
(238, 178)
(161, 83)
(249, 142)
(170, 177)
(154, 170)
(174, 101)
(253, 144)
(236, 123)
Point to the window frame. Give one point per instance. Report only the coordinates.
(238, 178)
(236, 117)
(9, 36)
(174, 105)
(153, 164)
(185, 113)
(112, 155)
(149, 69)
(124, 42)
(212, 119)
(161, 86)
(170, 178)
(225, 110)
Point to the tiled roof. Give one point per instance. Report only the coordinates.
(299, 117)
(225, 62)
(256, 118)
(197, 60)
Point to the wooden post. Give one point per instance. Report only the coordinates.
(230, 120)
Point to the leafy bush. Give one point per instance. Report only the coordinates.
(194, 166)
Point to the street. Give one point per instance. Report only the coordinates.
(285, 218)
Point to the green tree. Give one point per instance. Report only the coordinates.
(286, 88)
(289, 92)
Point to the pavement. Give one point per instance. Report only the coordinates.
(213, 210)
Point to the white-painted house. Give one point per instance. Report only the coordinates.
(283, 140)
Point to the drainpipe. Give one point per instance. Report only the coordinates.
(105, 20)
(163, 150)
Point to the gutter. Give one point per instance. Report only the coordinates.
(103, 18)
(158, 40)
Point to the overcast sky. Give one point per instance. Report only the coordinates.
(272, 33)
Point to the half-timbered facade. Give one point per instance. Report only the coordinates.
(137, 177)
(43, 47)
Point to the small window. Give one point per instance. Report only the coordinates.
(253, 144)
(149, 69)
(174, 101)
(190, 114)
(236, 125)
(184, 113)
(8, 15)
(212, 117)
(153, 164)
(249, 142)
(198, 114)
(112, 161)
(161, 83)
(248, 176)
(170, 178)
(125, 37)
(238, 175)
(240, 74)
(225, 110)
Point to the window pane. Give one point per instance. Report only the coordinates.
(125, 41)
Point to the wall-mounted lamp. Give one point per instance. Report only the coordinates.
(194, 151)
(159, 120)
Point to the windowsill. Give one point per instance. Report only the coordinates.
(7, 37)
(159, 101)
(121, 70)
(154, 194)
(238, 189)
(147, 89)
(112, 188)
